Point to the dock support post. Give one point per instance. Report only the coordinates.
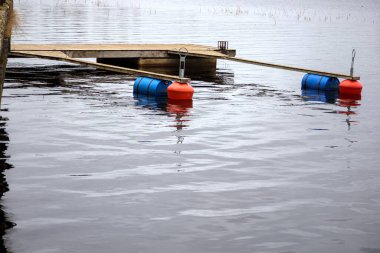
(5, 47)
(6, 8)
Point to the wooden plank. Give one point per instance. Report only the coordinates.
(117, 50)
(62, 57)
(286, 67)
(109, 47)
(267, 64)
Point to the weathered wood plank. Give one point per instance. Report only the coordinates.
(117, 50)
(298, 69)
(108, 47)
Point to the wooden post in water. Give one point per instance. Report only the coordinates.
(6, 8)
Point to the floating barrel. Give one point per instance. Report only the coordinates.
(180, 91)
(312, 81)
(351, 87)
(151, 87)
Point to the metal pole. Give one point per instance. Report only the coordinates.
(182, 59)
(352, 62)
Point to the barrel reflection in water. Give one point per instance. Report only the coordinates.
(324, 96)
(347, 102)
(179, 109)
(350, 102)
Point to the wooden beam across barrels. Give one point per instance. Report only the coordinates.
(267, 64)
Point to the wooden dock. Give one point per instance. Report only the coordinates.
(125, 58)
(58, 56)
(121, 50)
(129, 56)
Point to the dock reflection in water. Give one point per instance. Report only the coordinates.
(4, 165)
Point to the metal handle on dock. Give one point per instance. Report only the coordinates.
(183, 52)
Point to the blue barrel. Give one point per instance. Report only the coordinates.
(317, 82)
(151, 87)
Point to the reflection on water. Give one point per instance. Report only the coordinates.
(179, 109)
(252, 165)
(350, 102)
(4, 165)
(159, 103)
(323, 96)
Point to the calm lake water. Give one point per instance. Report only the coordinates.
(253, 165)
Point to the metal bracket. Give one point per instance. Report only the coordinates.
(352, 62)
(183, 52)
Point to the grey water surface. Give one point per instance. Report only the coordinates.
(254, 164)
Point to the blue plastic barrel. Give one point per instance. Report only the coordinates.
(151, 87)
(317, 82)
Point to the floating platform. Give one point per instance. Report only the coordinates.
(127, 58)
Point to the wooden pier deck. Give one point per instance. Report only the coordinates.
(120, 50)
(109, 55)
(59, 56)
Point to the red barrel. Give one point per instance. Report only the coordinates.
(350, 87)
(180, 91)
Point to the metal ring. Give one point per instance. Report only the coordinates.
(184, 53)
